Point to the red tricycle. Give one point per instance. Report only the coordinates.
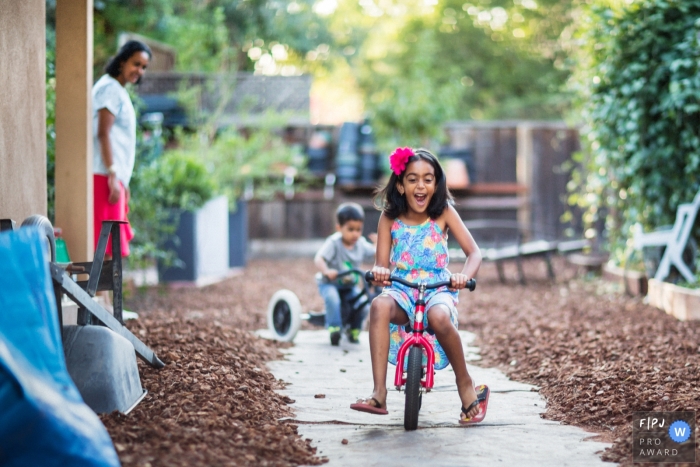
(417, 376)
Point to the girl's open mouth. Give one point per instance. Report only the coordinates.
(421, 198)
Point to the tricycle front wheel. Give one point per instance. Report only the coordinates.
(413, 393)
(284, 315)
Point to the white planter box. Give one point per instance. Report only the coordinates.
(656, 293)
(681, 302)
(686, 303)
(203, 245)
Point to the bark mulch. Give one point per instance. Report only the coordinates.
(596, 355)
(214, 403)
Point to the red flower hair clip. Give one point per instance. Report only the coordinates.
(399, 158)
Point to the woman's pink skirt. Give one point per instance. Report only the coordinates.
(104, 211)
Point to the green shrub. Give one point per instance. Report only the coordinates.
(179, 181)
(638, 77)
(257, 159)
(200, 167)
(159, 189)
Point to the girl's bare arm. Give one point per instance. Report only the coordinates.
(381, 263)
(466, 242)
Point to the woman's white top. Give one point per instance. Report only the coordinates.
(108, 94)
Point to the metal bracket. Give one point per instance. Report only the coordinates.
(104, 275)
(81, 297)
(7, 224)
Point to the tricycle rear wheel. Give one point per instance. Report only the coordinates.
(413, 393)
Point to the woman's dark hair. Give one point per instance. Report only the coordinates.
(114, 66)
(394, 203)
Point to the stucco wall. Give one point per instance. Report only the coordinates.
(22, 109)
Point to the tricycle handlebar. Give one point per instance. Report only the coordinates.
(471, 283)
(351, 271)
(359, 272)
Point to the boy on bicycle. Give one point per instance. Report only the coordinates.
(343, 250)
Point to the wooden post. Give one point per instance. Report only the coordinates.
(22, 109)
(523, 170)
(74, 196)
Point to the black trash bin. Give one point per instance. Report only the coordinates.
(367, 149)
(318, 153)
(347, 158)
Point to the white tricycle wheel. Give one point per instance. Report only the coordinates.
(284, 315)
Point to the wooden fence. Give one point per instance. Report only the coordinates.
(537, 156)
(518, 172)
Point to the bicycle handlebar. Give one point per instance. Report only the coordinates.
(471, 283)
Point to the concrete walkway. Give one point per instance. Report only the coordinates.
(512, 433)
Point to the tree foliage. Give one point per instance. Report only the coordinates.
(639, 81)
(420, 65)
(212, 35)
(416, 63)
(258, 159)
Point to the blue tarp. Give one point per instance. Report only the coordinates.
(43, 419)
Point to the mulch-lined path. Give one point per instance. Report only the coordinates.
(214, 403)
(597, 355)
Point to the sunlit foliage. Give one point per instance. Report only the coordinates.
(420, 63)
(216, 35)
(638, 78)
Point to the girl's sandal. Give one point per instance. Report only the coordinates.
(482, 401)
(365, 406)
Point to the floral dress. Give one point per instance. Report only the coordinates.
(419, 254)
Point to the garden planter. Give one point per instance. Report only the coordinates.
(667, 292)
(655, 293)
(681, 302)
(202, 245)
(634, 282)
(238, 235)
(686, 303)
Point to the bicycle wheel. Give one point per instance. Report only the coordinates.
(413, 394)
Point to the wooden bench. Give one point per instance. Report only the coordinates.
(515, 248)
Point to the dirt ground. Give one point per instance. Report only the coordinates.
(596, 355)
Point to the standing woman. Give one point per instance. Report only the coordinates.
(114, 126)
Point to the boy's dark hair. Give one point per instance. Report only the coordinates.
(349, 212)
(394, 203)
(114, 66)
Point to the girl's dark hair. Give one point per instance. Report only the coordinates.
(393, 203)
(114, 66)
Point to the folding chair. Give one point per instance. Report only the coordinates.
(675, 241)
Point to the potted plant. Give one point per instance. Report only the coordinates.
(248, 162)
(179, 192)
